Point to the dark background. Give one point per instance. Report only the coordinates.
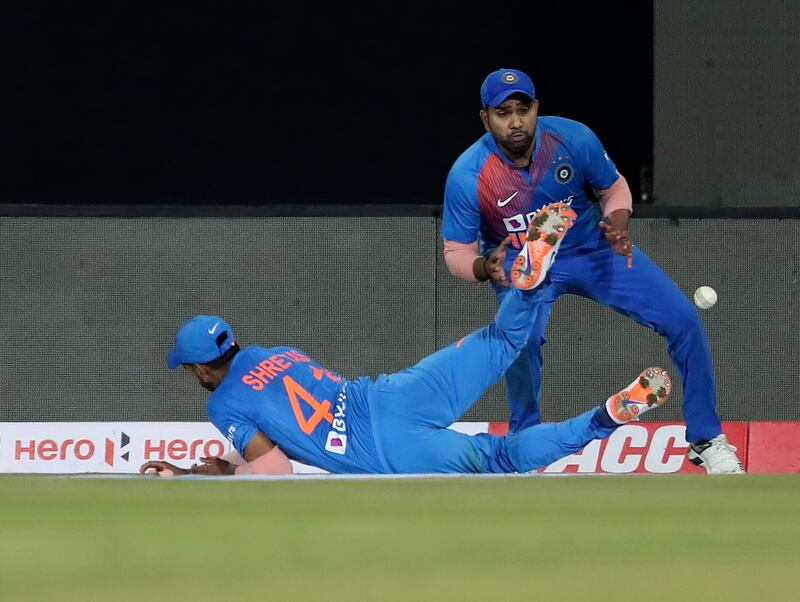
(252, 104)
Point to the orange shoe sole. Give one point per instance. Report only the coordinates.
(545, 233)
(651, 389)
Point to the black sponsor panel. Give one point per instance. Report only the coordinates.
(726, 103)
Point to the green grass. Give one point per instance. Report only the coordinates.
(546, 539)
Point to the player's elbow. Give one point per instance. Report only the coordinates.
(459, 259)
(273, 462)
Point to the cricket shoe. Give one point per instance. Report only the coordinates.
(717, 456)
(649, 390)
(545, 233)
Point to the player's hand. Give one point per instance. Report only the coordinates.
(161, 468)
(616, 231)
(212, 465)
(494, 264)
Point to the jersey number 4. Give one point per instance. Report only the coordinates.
(322, 409)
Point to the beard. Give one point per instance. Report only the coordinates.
(517, 147)
(208, 386)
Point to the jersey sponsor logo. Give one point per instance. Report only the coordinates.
(337, 436)
(519, 222)
(507, 201)
(564, 173)
(336, 443)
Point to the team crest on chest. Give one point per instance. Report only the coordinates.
(563, 173)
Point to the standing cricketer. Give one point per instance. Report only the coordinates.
(523, 162)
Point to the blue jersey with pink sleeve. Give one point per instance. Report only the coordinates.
(489, 197)
(315, 416)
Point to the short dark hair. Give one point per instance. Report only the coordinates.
(223, 359)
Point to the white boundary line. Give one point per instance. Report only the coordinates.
(311, 477)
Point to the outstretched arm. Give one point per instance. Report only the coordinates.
(262, 456)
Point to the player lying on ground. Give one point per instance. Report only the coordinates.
(277, 403)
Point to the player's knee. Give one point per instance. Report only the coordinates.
(511, 340)
(684, 321)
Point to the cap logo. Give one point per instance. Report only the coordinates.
(510, 78)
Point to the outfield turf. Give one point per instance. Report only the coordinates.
(643, 538)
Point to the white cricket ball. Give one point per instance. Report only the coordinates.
(705, 297)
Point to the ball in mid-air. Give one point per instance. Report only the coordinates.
(705, 297)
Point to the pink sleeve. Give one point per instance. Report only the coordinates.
(459, 258)
(617, 196)
(273, 462)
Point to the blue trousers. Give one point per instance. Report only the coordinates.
(644, 293)
(412, 409)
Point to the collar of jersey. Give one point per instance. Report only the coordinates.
(234, 361)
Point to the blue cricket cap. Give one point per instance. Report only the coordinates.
(502, 83)
(201, 340)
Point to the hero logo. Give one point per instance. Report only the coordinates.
(517, 225)
(71, 449)
(630, 448)
(337, 436)
(182, 449)
(50, 449)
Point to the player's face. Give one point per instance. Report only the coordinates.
(512, 124)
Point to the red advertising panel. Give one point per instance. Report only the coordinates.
(646, 447)
(774, 447)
